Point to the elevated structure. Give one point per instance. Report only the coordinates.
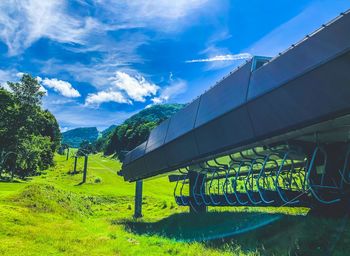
(298, 101)
(307, 84)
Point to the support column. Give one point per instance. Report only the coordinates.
(75, 164)
(138, 199)
(331, 177)
(194, 208)
(335, 160)
(67, 154)
(85, 168)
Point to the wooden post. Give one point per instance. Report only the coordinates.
(138, 199)
(67, 154)
(85, 168)
(75, 164)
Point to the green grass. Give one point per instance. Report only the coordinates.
(52, 214)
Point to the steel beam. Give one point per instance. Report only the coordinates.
(138, 199)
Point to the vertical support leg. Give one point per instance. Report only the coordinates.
(85, 168)
(75, 165)
(329, 176)
(335, 161)
(138, 199)
(67, 154)
(195, 208)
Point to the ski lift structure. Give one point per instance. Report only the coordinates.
(274, 132)
(86, 157)
(62, 150)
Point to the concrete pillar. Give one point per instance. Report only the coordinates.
(138, 199)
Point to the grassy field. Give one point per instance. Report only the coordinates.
(53, 214)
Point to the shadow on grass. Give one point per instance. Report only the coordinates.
(5, 180)
(203, 227)
(71, 172)
(15, 180)
(80, 183)
(258, 233)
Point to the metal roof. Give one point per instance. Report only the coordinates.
(307, 84)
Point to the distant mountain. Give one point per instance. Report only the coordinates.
(136, 129)
(76, 136)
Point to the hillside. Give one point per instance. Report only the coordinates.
(76, 136)
(136, 129)
(52, 215)
(108, 131)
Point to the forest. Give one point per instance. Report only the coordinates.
(135, 130)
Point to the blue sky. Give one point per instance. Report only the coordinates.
(101, 61)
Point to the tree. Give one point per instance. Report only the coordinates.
(28, 91)
(28, 132)
(136, 129)
(48, 127)
(35, 154)
(86, 148)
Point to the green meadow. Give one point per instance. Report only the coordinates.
(54, 214)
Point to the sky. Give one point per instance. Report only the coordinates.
(101, 61)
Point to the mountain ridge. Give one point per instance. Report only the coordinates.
(75, 137)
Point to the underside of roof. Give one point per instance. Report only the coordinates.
(265, 98)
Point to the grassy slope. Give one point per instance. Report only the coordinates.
(53, 215)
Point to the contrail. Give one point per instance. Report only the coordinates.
(228, 57)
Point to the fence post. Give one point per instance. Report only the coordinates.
(67, 154)
(85, 168)
(138, 199)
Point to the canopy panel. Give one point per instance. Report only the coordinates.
(307, 84)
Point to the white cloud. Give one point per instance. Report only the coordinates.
(24, 22)
(227, 57)
(136, 87)
(80, 116)
(119, 56)
(60, 101)
(35, 19)
(95, 99)
(62, 87)
(163, 8)
(7, 75)
(161, 14)
(124, 88)
(174, 89)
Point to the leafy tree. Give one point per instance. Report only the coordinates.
(27, 91)
(29, 135)
(86, 147)
(9, 114)
(47, 126)
(35, 154)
